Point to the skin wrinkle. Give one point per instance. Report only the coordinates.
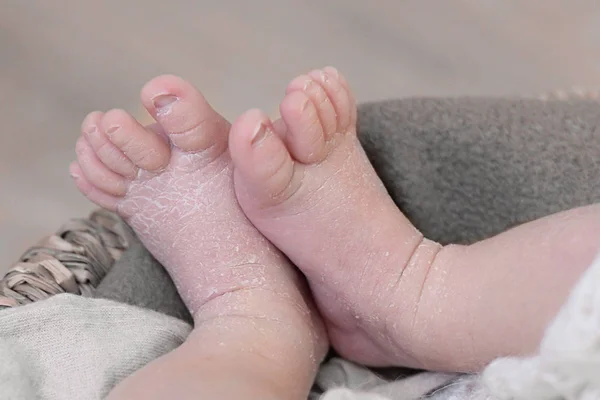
(201, 127)
(228, 292)
(110, 151)
(143, 153)
(317, 138)
(414, 258)
(283, 161)
(283, 194)
(413, 332)
(209, 290)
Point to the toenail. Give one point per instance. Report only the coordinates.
(332, 71)
(324, 77)
(112, 130)
(89, 130)
(74, 175)
(259, 134)
(164, 100)
(304, 105)
(307, 84)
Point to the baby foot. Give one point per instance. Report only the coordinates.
(307, 185)
(172, 182)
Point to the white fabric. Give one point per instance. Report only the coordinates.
(568, 364)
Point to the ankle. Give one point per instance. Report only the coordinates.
(406, 307)
(426, 339)
(275, 324)
(270, 356)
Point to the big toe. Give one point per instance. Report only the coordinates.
(184, 115)
(316, 108)
(264, 168)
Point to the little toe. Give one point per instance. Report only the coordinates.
(142, 146)
(96, 172)
(106, 151)
(261, 159)
(304, 133)
(352, 100)
(320, 99)
(185, 116)
(90, 191)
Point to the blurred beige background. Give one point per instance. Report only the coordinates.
(63, 58)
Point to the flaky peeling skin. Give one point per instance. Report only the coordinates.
(173, 183)
(388, 295)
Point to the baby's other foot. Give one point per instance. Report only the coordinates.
(311, 190)
(388, 295)
(173, 183)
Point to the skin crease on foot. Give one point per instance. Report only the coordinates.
(388, 295)
(173, 183)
